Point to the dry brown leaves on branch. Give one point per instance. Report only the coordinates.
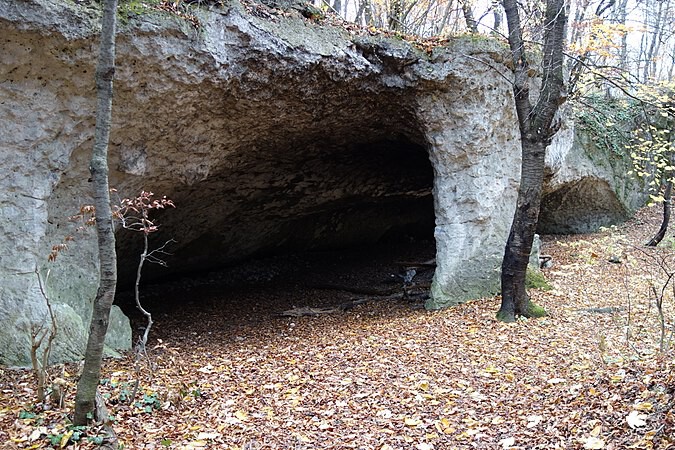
(387, 376)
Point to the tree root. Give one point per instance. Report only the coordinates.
(110, 442)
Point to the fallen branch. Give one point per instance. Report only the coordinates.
(308, 311)
(604, 310)
(355, 289)
(428, 263)
(342, 307)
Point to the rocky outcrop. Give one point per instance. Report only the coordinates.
(587, 185)
(268, 133)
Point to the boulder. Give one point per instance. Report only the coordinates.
(587, 186)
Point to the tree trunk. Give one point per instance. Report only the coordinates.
(368, 13)
(667, 195)
(578, 21)
(86, 387)
(497, 15)
(515, 301)
(137, 292)
(337, 7)
(467, 11)
(623, 48)
(672, 63)
(396, 15)
(359, 13)
(536, 131)
(650, 55)
(446, 16)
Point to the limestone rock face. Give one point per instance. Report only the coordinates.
(587, 187)
(269, 134)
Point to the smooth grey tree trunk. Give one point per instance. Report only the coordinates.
(536, 131)
(467, 11)
(337, 7)
(650, 61)
(497, 15)
(86, 387)
(395, 19)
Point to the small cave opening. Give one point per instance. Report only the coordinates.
(331, 226)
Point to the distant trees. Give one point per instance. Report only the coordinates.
(652, 148)
(639, 40)
(620, 50)
(417, 17)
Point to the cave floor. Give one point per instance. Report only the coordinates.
(257, 292)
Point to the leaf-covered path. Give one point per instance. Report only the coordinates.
(386, 375)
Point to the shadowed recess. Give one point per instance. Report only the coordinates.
(323, 197)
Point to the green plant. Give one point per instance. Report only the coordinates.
(23, 415)
(535, 310)
(668, 243)
(97, 440)
(150, 402)
(72, 434)
(128, 8)
(607, 122)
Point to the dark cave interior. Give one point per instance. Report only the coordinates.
(316, 229)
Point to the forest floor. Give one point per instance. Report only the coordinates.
(225, 370)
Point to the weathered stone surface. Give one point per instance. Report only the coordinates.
(268, 134)
(587, 187)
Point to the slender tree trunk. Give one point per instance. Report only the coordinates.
(368, 13)
(667, 195)
(672, 62)
(396, 15)
(536, 131)
(578, 21)
(446, 16)
(418, 24)
(497, 15)
(359, 13)
(641, 54)
(137, 293)
(86, 388)
(405, 16)
(650, 55)
(467, 10)
(623, 51)
(337, 7)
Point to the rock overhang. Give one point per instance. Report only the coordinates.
(266, 134)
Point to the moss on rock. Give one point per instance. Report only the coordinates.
(535, 279)
(535, 311)
(505, 317)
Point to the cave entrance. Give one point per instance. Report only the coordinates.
(330, 225)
